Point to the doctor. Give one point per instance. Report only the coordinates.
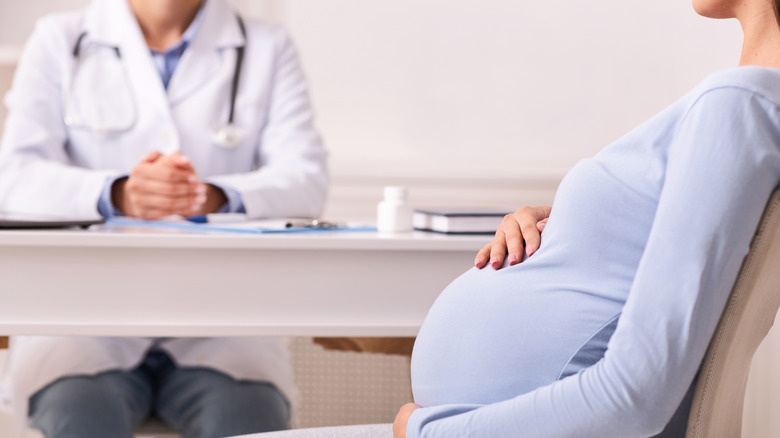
(148, 108)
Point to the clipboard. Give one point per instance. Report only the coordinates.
(248, 227)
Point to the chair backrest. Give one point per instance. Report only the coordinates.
(746, 320)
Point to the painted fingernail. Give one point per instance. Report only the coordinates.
(494, 262)
(477, 261)
(513, 259)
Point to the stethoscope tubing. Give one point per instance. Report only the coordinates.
(67, 91)
(237, 71)
(233, 86)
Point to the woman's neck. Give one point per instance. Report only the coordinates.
(761, 44)
(164, 21)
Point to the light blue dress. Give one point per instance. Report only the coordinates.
(601, 332)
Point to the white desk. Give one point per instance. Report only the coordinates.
(119, 281)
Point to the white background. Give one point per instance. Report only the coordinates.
(497, 88)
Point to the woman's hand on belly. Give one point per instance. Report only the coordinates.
(523, 227)
(402, 419)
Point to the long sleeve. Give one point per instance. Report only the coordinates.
(292, 176)
(36, 175)
(722, 165)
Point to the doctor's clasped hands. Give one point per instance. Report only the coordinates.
(164, 185)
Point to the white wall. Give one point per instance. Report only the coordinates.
(17, 17)
(498, 97)
(496, 88)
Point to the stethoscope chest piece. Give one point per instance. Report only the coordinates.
(228, 136)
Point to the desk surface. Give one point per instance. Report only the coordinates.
(120, 281)
(145, 237)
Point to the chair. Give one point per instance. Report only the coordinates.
(746, 320)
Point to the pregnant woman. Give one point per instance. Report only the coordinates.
(600, 332)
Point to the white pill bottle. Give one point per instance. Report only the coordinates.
(394, 213)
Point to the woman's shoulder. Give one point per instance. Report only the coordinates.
(744, 82)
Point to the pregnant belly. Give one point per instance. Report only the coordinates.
(493, 335)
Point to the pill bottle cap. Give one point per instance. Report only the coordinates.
(395, 192)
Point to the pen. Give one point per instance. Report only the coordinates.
(199, 219)
(227, 217)
(313, 223)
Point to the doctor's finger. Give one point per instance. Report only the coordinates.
(149, 210)
(151, 157)
(179, 160)
(150, 214)
(154, 213)
(163, 172)
(156, 187)
(172, 204)
(139, 185)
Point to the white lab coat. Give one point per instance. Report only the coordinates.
(46, 167)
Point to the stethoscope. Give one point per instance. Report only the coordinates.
(227, 136)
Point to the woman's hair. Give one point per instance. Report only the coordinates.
(777, 10)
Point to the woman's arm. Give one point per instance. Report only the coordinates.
(292, 180)
(722, 166)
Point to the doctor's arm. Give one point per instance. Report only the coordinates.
(292, 176)
(694, 252)
(36, 175)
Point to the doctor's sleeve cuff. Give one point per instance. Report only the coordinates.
(234, 202)
(105, 205)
